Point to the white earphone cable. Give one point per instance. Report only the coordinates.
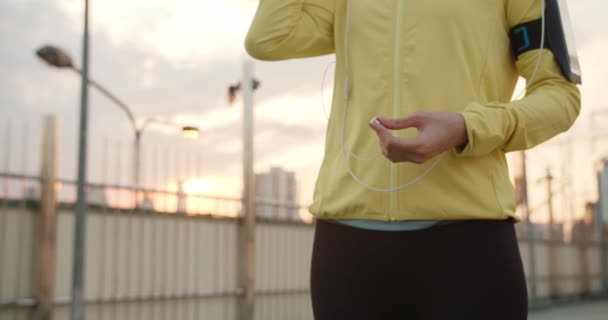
(540, 53)
(346, 153)
(323, 89)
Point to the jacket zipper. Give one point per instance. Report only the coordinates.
(396, 76)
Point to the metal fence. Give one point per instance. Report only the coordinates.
(145, 264)
(572, 270)
(17, 250)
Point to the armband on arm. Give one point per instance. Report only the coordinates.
(559, 38)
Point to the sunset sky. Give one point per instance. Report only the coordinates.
(175, 59)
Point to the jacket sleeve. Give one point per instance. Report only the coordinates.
(550, 106)
(285, 29)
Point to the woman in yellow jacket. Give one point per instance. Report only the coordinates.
(415, 209)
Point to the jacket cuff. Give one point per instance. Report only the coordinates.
(476, 127)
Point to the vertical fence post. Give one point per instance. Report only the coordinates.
(47, 223)
(554, 242)
(532, 278)
(246, 232)
(583, 235)
(604, 256)
(602, 211)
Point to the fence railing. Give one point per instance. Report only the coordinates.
(141, 263)
(147, 264)
(16, 242)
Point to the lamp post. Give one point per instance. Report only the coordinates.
(57, 57)
(246, 241)
(77, 311)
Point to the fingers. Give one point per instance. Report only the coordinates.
(412, 121)
(406, 150)
(436, 133)
(386, 139)
(383, 133)
(399, 150)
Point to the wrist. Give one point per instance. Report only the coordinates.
(460, 130)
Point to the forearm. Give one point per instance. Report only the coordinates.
(551, 107)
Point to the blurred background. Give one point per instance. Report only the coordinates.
(169, 232)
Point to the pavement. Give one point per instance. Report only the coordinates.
(596, 310)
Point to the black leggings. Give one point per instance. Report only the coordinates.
(466, 270)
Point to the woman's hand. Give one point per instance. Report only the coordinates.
(437, 132)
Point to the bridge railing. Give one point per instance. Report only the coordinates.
(143, 263)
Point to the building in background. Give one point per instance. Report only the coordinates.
(182, 206)
(147, 203)
(31, 193)
(545, 231)
(585, 229)
(97, 196)
(601, 207)
(542, 231)
(277, 194)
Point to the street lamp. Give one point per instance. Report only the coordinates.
(55, 57)
(58, 58)
(246, 263)
(233, 89)
(190, 132)
(186, 132)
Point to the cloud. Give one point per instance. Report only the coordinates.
(181, 31)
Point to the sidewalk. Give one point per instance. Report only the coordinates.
(597, 310)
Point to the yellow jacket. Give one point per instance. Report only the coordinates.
(406, 56)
